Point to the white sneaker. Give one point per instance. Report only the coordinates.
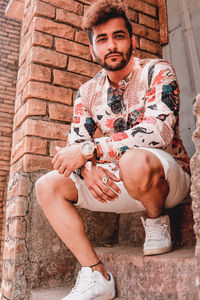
(158, 235)
(92, 285)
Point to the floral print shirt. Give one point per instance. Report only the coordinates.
(149, 112)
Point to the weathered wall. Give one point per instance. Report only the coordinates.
(195, 188)
(9, 49)
(54, 60)
(183, 51)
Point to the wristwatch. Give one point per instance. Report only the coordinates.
(88, 149)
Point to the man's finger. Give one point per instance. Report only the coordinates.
(111, 175)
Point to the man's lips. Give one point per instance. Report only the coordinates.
(113, 55)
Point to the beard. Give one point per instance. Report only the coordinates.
(118, 66)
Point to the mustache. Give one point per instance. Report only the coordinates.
(113, 52)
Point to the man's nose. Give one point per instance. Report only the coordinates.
(112, 45)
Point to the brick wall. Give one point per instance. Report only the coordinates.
(54, 61)
(9, 48)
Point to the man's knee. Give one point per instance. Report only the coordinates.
(44, 185)
(138, 169)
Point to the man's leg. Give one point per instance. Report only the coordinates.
(143, 177)
(55, 194)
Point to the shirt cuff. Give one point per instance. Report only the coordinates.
(107, 149)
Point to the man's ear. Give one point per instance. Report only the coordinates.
(92, 53)
(133, 42)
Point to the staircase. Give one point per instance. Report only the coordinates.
(138, 277)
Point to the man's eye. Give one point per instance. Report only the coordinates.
(119, 36)
(101, 40)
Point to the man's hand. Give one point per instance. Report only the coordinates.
(93, 175)
(68, 159)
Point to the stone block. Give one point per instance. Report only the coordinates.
(69, 47)
(68, 5)
(167, 276)
(82, 67)
(53, 28)
(47, 57)
(33, 107)
(42, 39)
(47, 92)
(17, 229)
(68, 79)
(69, 18)
(17, 208)
(60, 112)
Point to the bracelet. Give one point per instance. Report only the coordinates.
(100, 262)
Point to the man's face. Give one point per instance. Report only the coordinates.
(112, 46)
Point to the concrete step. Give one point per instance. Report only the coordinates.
(52, 294)
(168, 276)
(131, 231)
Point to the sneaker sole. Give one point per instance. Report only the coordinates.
(157, 251)
(106, 297)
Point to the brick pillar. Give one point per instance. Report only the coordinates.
(54, 61)
(195, 188)
(9, 49)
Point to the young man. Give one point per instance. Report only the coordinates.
(138, 164)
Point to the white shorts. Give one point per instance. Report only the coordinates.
(178, 180)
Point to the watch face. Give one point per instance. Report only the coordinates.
(88, 148)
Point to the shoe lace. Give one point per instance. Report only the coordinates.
(155, 232)
(83, 282)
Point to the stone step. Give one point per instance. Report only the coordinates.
(161, 277)
(131, 231)
(52, 294)
(138, 277)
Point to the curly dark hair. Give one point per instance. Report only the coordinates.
(103, 10)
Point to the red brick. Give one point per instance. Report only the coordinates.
(18, 208)
(68, 79)
(146, 32)
(44, 9)
(60, 112)
(133, 15)
(32, 71)
(153, 2)
(28, 145)
(142, 54)
(17, 229)
(48, 57)
(83, 67)
(163, 22)
(42, 129)
(72, 48)
(40, 73)
(148, 21)
(69, 18)
(42, 39)
(69, 5)
(53, 28)
(149, 46)
(81, 37)
(32, 163)
(32, 107)
(53, 145)
(24, 51)
(142, 6)
(47, 92)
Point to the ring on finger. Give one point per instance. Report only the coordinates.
(105, 179)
